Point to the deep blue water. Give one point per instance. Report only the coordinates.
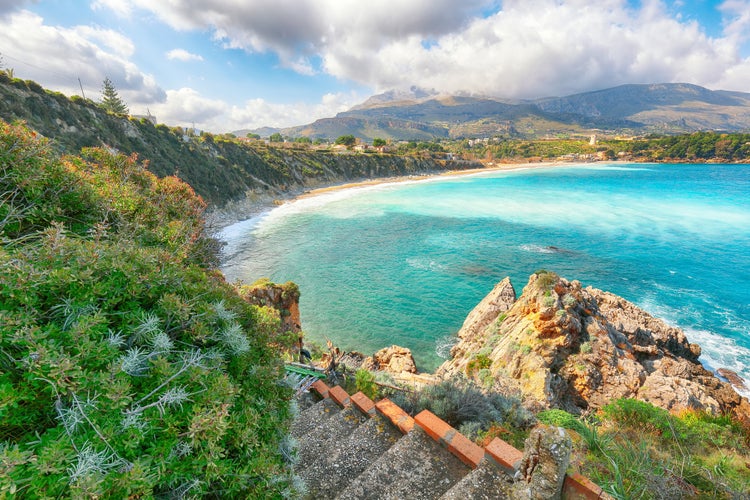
(404, 263)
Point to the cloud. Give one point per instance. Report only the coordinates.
(514, 48)
(298, 29)
(183, 55)
(11, 5)
(57, 57)
(121, 8)
(187, 106)
(736, 15)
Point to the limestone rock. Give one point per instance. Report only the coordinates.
(486, 313)
(545, 459)
(579, 348)
(284, 298)
(394, 359)
(734, 379)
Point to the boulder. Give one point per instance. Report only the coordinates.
(394, 359)
(545, 460)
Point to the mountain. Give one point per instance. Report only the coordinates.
(635, 108)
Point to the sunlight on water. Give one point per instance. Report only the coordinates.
(404, 263)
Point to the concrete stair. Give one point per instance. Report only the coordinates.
(353, 448)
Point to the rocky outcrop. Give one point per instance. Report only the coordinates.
(579, 348)
(393, 359)
(487, 312)
(283, 298)
(545, 460)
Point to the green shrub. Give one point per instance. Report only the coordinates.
(459, 402)
(559, 418)
(546, 279)
(365, 381)
(129, 368)
(479, 361)
(642, 415)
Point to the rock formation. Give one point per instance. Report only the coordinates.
(394, 359)
(284, 298)
(545, 460)
(579, 348)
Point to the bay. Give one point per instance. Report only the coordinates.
(404, 263)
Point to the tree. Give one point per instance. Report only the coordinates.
(276, 137)
(347, 140)
(378, 142)
(111, 100)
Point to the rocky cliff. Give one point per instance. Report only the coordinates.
(578, 348)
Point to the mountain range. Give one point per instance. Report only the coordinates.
(635, 109)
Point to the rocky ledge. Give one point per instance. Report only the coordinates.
(578, 348)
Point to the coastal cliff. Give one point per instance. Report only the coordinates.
(578, 349)
(222, 169)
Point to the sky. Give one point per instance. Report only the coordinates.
(225, 65)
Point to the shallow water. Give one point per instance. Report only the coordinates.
(404, 263)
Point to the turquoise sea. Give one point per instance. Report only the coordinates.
(404, 263)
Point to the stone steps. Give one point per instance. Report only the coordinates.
(354, 448)
(415, 467)
(313, 417)
(487, 482)
(330, 474)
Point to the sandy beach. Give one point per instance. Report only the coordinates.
(251, 207)
(491, 167)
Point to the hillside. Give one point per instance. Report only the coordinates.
(130, 368)
(220, 168)
(636, 109)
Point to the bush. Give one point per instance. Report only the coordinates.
(129, 367)
(365, 381)
(559, 418)
(459, 402)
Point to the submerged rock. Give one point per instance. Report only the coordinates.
(579, 348)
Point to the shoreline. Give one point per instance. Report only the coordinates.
(262, 205)
(491, 167)
(255, 205)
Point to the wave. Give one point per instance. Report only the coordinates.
(425, 264)
(538, 249)
(717, 351)
(443, 346)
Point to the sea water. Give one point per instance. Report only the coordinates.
(404, 263)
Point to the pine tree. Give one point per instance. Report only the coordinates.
(111, 100)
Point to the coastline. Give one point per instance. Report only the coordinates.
(254, 204)
(264, 205)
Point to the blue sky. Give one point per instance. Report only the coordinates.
(233, 64)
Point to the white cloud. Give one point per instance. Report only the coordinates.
(527, 48)
(57, 57)
(121, 8)
(736, 19)
(183, 55)
(186, 106)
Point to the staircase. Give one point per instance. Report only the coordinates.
(353, 448)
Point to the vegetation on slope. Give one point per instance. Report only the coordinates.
(636, 450)
(220, 168)
(698, 146)
(128, 367)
